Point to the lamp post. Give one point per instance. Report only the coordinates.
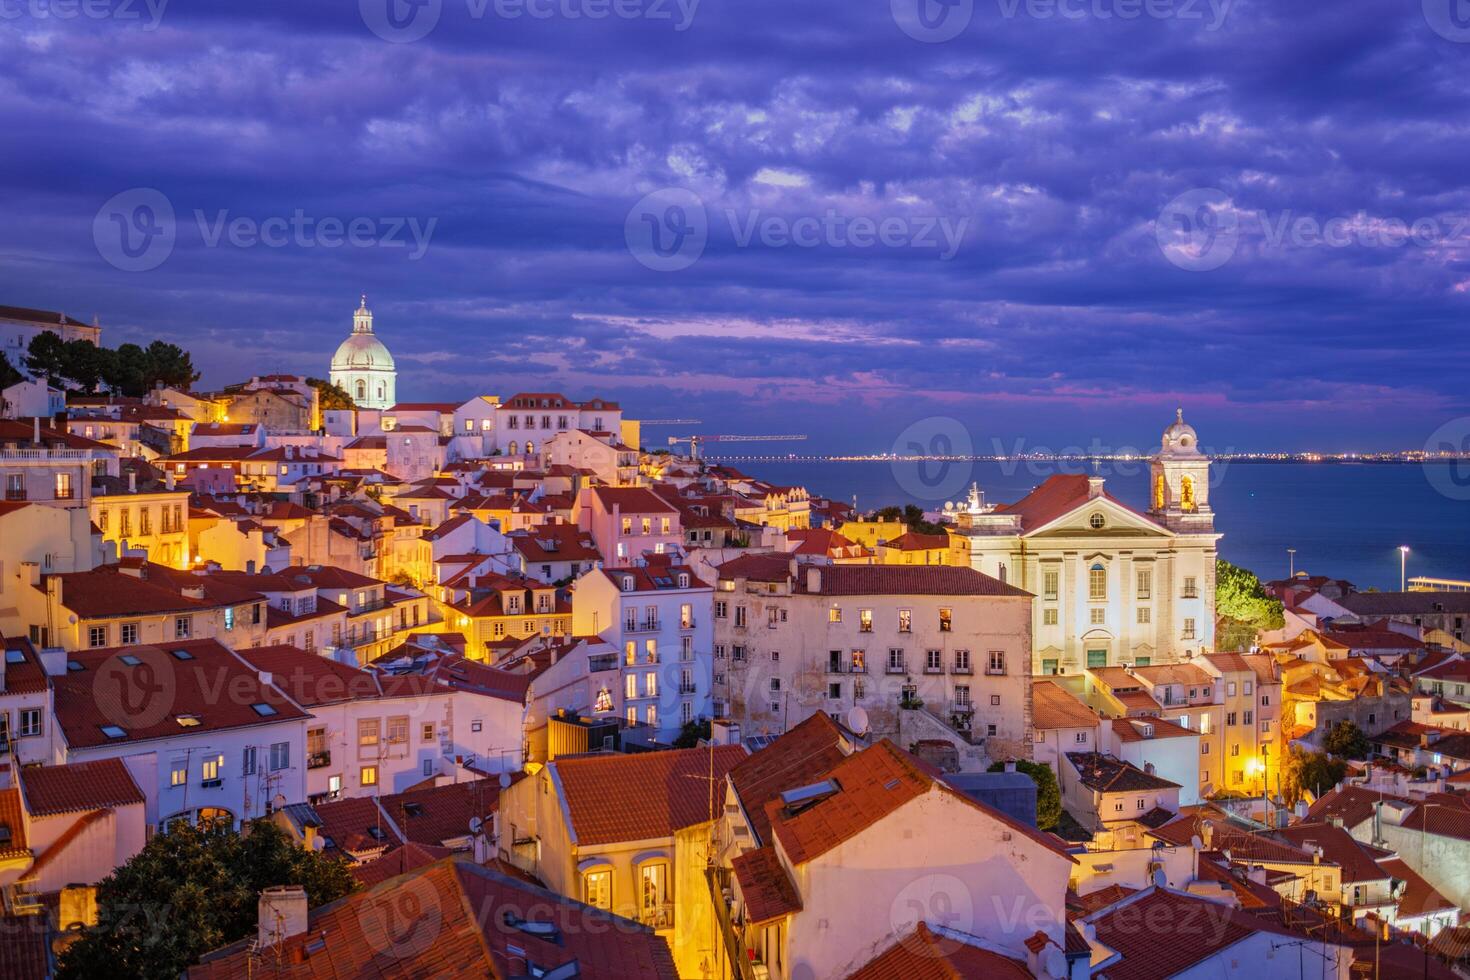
(1403, 565)
(1291, 556)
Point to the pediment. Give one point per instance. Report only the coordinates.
(1118, 521)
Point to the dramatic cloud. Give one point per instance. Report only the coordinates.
(1050, 218)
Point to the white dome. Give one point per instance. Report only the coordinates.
(1180, 439)
(362, 352)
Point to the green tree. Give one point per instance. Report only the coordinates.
(127, 374)
(46, 357)
(1048, 794)
(1310, 772)
(8, 374)
(1242, 607)
(189, 891)
(691, 733)
(332, 397)
(170, 364)
(1347, 741)
(85, 364)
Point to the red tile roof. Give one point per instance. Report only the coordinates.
(93, 785)
(312, 680)
(1358, 861)
(454, 919)
(798, 758)
(928, 955)
(143, 690)
(1055, 707)
(906, 580)
(1058, 496)
(611, 798)
(435, 814)
(110, 591)
(1160, 933)
(765, 886)
(632, 500)
(11, 816)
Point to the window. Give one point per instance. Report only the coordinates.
(721, 609)
(1145, 615)
(1097, 522)
(905, 621)
(63, 487)
(209, 771)
(834, 690)
(1080, 738)
(1097, 616)
(1204, 748)
(962, 694)
(247, 761)
(1248, 717)
(834, 614)
(597, 889)
(1230, 689)
(865, 620)
(858, 663)
(895, 661)
(996, 664)
(367, 732)
(178, 775)
(397, 731)
(181, 627)
(280, 756)
(30, 721)
(650, 714)
(1188, 627)
(739, 616)
(1097, 583)
(129, 633)
(650, 685)
(369, 775)
(946, 620)
(630, 686)
(1145, 583)
(1049, 580)
(1048, 617)
(933, 661)
(962, 661)
(97, 636)
(1191, 590)
(1230, 717)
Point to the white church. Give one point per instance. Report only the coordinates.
(362, 366)
(1113, 585)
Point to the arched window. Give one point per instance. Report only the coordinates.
(530, 447)
(361, 389)
(1097, 582)
(512, 447)
(382, 391)
(1186, 493)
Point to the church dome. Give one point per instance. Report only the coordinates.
(1180, 438)
(362, 352)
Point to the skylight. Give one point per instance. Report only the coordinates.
(187, 721)
(15, 656)
(263, 709)
(804, 796)
(130, 660)
(181, 654)
(73, 666)
(112, 731)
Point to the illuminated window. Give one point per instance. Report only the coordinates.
(597, 889)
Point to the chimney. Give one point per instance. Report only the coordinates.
(1094, 487)
(168, 480)
(282, 914)
(36, 430)
(814, 579)
(132, 481)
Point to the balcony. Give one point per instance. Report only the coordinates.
(319, 760)
(689, 688)
(857, 667)
(934, 668)
(687, 624)
(965, 669)
(12, 493)
(643, 626)
(835, 667)
(894, 668)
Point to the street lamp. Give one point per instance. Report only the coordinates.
(1403, 565)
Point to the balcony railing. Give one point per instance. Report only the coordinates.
(12, 494)
(319, 760)
(894, 668)
(641, 626)
(689, 688)
(934, 668)
(962, 669)
(659, 916)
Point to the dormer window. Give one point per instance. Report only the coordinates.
(683, 580)
(627, 583)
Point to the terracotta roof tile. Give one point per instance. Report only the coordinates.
(906, 580)
(928, 955)
(90, 785)
(614, 797)
(1055, 707)
(798, 758)
(765, 886)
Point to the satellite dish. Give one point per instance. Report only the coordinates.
(475, 824)
(857, 720)
(505, 780)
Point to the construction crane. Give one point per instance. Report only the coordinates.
(695, 442)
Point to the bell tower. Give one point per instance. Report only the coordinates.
(1179, 491)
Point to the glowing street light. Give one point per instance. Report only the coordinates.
(1403, 565)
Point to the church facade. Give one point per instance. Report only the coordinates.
(1113, 585)
(362, 366)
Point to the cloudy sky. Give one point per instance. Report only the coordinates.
(1053, 220)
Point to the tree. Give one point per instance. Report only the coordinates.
(912, 516)
(192, 890)
(1048, 794)
(691, 733)
(46, 357)
(331, 396)
(1346, 740)
(85, 364)
(1310, 772)
(8, 374)
(128, 373)
(1243, 607)
(170, 364)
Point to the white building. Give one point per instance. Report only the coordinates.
(362, 366)
(1113, 585)
(658, 616)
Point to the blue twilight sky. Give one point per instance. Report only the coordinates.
(1052, 220)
